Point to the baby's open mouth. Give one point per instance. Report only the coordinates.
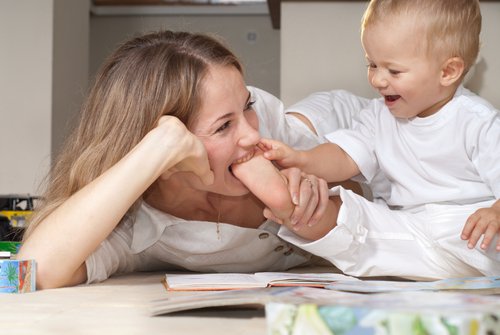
(391, 98)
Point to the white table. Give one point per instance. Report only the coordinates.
(120, 305)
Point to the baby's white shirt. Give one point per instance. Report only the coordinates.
(452, 156)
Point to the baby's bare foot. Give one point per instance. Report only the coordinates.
(265, 181)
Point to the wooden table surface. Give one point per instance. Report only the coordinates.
(119, 305)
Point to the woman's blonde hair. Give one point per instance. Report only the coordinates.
(149, 76)
(452, 27)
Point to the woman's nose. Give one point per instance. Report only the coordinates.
(248, 134)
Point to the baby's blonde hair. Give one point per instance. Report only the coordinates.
(452, 27)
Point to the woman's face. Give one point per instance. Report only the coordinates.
(227, 125)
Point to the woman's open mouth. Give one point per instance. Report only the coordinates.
(243, 159)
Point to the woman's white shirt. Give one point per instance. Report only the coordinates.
(149, 239)
(152, 240)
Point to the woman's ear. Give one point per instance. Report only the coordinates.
(452, 71)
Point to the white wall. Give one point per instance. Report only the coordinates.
(70, 73)
(45, 67)
(261, 56)
(321, 50)
(25, 89)
(38, 81)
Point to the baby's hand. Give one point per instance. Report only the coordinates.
(484, 221)
(279, 152)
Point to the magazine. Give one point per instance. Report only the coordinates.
(395, 313)
(408, 302)
(488, 284)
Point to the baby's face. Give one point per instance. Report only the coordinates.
(401, 70)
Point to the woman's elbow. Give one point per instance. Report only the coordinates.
(48, 277)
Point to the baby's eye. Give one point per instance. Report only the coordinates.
(394, 72)
(249, 105)
(224, 126)
(371, 66)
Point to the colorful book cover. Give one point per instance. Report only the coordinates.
(17, 276)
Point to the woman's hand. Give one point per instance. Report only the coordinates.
(190, 152)
(167, 148)
(309, 195)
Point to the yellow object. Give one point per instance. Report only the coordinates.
(17, 219)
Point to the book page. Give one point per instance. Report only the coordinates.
(230, 281)
(212, 281)
(302, 279)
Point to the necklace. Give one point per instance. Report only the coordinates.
(218, 218)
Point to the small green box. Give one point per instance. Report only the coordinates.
(13, 247)
(17, 276)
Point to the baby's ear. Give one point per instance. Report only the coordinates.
(452, 71)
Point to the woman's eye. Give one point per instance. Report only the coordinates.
(249, 105)
(223, 127)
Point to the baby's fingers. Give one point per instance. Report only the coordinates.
(273, 150)
(475, 236)
(489, 235)
(469, 226)
(264, 145)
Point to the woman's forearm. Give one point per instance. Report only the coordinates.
(61, 243)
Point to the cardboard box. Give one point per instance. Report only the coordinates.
(17, 276)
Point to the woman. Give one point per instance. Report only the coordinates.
(145, 181)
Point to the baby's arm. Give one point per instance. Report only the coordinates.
(266, 182)
(327, 161)
(484, 221)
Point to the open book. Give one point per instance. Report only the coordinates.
(233, 281)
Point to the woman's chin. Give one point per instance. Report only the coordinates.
(235, 187)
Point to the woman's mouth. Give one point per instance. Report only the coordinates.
(243, 159)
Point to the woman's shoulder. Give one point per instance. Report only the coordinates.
(265, 103)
